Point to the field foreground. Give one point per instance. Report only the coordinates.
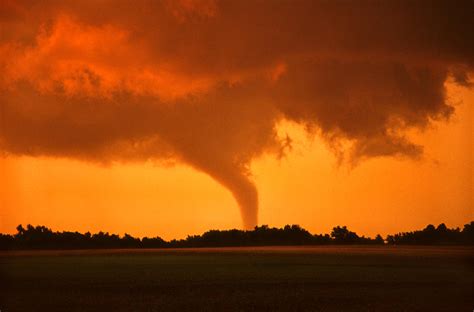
(325, 278)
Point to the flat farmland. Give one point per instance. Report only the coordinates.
(322, 278)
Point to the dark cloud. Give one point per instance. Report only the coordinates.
(206, 82)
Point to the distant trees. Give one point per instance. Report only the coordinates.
(342, 235)
(41, 237)
(430, 235)
(261, 235)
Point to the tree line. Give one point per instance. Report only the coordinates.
(41, 237)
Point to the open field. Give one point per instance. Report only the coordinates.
(327, 278)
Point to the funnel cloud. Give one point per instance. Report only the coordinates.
(205, 83)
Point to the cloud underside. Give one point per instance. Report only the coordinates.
(206, 83)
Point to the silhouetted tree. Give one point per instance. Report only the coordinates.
(379, 239)
(468, 233)
(342, 235)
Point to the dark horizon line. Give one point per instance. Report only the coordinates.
(41, 237)
(233, 229)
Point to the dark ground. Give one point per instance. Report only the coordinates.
(325, 278)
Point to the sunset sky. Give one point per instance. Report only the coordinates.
(175, 117)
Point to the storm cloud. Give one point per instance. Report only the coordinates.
(205, 83)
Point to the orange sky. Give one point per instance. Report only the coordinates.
(174, 117)
(307, 187)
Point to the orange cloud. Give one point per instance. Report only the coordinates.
(186, 9)
(77, 59)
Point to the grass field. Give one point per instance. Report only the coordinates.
(240, 279)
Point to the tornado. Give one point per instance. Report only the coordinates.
(235, 178)
(245, 193)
